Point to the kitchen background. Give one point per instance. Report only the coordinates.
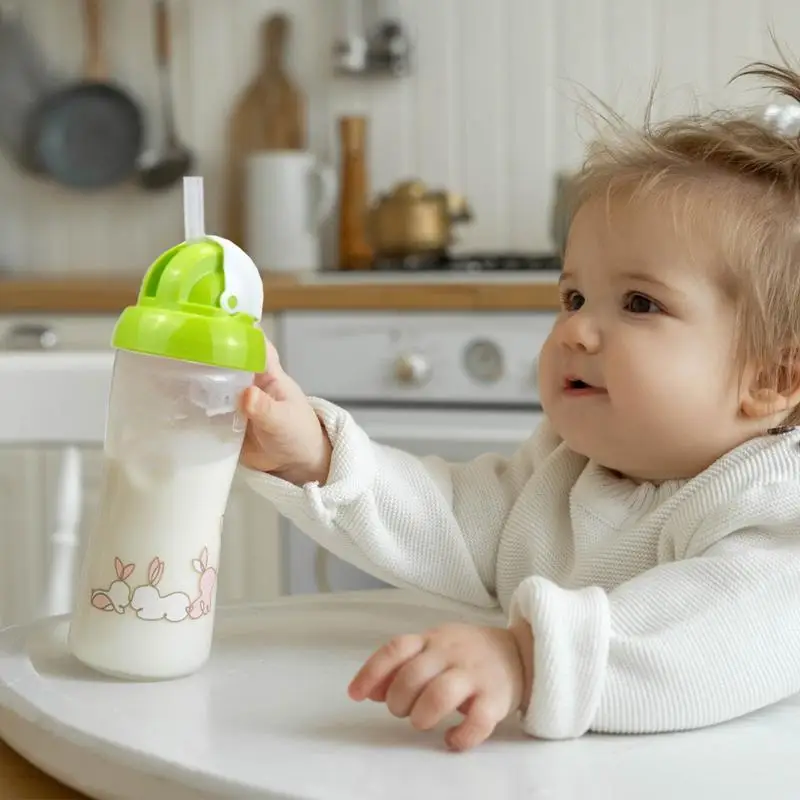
(444, 363)
(491, 107)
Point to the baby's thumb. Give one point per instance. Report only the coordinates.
(261, 410)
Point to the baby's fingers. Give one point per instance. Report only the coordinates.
(273, 360)
(448, 691)
(260, 409)
(381, 689)
(477, 726)
(270, 379)
(383, 663)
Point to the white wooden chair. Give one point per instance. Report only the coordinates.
(57, 399)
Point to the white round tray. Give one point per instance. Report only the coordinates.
(269, 717)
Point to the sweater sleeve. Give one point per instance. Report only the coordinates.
(684, 645)
(413, 522)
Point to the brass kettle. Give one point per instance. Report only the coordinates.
(411, 219)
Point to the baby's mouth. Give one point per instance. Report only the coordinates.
(576, 383)
(577, 386)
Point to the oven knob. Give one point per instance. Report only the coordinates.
(412, 370)
(483, 361)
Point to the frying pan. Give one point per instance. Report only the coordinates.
(24, 79)
(88, 135)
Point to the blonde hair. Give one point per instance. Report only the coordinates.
(749, 172)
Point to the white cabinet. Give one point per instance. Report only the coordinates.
(22, 562)
(250, 563)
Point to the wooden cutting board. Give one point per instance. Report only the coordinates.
(269, 115)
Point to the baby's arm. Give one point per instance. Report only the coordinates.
(684, 645)
(412, 522)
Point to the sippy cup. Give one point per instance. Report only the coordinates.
(184, 353)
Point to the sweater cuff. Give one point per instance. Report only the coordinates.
(351, 473)
(571, 630)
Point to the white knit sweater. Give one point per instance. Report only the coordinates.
(653, 608)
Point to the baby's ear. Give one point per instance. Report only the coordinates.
(774, 390)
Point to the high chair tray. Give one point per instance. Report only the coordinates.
(269, 717)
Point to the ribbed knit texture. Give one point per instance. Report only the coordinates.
(653, 608)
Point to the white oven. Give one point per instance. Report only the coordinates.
(452, 385)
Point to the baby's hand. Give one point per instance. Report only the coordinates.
(284, 435)
(476, 671)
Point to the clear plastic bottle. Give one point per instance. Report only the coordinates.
(185, 352)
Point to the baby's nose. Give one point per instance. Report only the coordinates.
(581, 332)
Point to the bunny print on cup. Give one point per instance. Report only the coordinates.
(118, 595)
(147, 601)
(208, 579)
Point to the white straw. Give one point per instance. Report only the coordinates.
(193, 209)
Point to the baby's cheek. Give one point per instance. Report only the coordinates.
(544, 373)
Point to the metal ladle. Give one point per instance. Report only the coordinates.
(160, 169)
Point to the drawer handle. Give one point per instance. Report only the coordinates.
(30, 336)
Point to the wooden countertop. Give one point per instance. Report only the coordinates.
(109, 294)
(20, 780)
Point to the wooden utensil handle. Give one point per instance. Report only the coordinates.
(276, 32)
(163, 53)
(95, 69)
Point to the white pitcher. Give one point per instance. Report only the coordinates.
(289, 194)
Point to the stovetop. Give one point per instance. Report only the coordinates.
(469, 262)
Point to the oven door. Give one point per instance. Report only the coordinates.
(454, 434)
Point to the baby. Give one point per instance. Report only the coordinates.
(645, 541)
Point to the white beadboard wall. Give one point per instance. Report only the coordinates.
(490, 109)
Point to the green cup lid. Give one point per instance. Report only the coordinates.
(201, 301)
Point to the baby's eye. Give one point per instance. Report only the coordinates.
(641, 304)
(572, 300)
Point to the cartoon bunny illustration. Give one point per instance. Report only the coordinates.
(208, 578)
(118, 595)
(150, 605)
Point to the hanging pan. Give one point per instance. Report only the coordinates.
(88, 135)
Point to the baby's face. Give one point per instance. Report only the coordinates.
(647, 330)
